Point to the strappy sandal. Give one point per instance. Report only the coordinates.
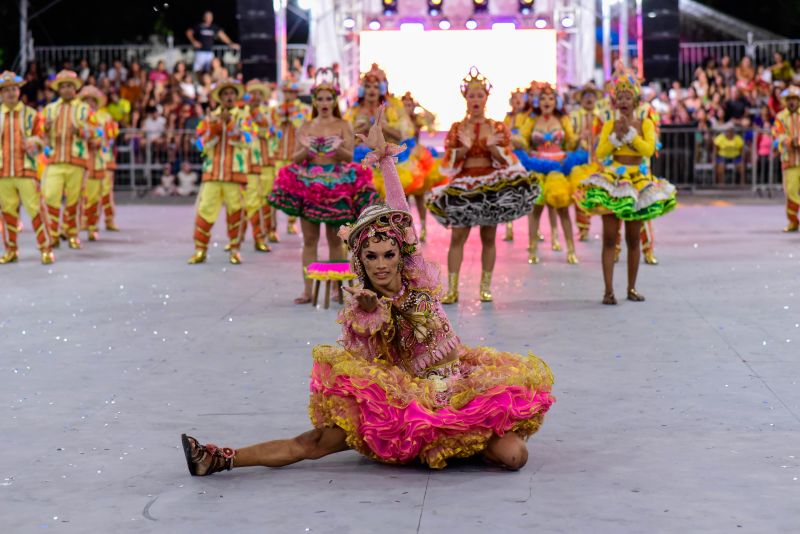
(204, 460)
(635, 296)
(609, 299)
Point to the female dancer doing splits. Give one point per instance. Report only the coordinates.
(402, 387)
(488, 185)
(625, 190)
(323, 185)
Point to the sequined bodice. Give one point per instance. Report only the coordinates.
(422, 336)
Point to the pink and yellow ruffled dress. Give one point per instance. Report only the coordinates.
(403, 386)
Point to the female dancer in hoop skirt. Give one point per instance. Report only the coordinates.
(402, 387)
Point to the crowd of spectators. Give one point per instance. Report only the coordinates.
(159, 106)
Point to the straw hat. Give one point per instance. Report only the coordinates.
(66, 76)
(224, 84)
(93, 92)
(10, 79)
(258, 85)
(289, 85)
(792, 91)
(588, 88)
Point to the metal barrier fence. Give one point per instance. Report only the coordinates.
(686, 158)
(148, 55)
(693, 55)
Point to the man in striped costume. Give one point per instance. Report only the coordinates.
(786, 132)
(225, 169)
(18, 182)
(99, 148)
(68, 127)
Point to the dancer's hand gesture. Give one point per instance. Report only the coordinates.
(621, 127)
(375, 139)
(493, 139)
(367, 300)
(466, 138)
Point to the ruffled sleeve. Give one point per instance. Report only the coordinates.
(364, 333)
(451, 166)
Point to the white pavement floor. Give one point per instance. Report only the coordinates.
(680, 414)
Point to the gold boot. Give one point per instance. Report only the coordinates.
(486, 286)
(572, 258)
(74, 243)
(792, 227)
(9, 257)
(617, 252)
(650, 258)
(272, 237)
(47, 257)
(260, 246)
(423, 234)
(452, 289)
(291, 227)
(110, 226)
(199, 256)
(235, 258)
(92, 235)
(509, 232)
(539, 235)
(533, 248)
(556, 244)
(583, 234)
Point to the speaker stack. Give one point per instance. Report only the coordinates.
(661, 32)
(257, 38)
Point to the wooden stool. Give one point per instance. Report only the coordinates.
(329, 272)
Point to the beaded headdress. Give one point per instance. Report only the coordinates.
(325, 80)
(374, 74)
(374, 220)
(624, 79)
(475, 79)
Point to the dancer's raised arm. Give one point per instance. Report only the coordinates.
(383, 155)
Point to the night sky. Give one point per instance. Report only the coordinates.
(104, 22)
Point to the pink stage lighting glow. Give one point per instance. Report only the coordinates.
(431, 64)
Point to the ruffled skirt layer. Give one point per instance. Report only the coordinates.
(392, 416)
(331, 194)
(627, 193)
(484, 197)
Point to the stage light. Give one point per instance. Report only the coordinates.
(504, 26)
(349, 23)
(480, 6)
(525, 10)
(444, 24)
(540, 23)
(435, 7)
(525, 6)
(412, 27)
(567, 21)
(471, 24)
(389, 7)
(374, 25)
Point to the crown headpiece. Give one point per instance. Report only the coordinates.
(475, 79)
(325, 80)
(624, 79)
